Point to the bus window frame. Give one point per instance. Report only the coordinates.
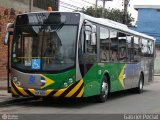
(90, 23)
(125, 59)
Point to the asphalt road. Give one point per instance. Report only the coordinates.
(125, 102)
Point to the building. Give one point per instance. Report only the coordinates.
(149, 20)
(8, 11)
(43, 4)
(149, 23)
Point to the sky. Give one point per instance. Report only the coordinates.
(70, 5)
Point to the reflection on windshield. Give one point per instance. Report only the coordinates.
(49, 47)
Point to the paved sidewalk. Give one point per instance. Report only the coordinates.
(5, 96)
(3, 84)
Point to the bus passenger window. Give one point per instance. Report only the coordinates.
(136, 49)
(104, 44)
(150, 48)
(114, 45)
(130, 46)
(122, 53)
(144, 47)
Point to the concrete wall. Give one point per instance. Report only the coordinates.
(23, 1)
(3, 48)
(149, 22)
(19, 6)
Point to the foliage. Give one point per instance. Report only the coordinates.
(113, 14)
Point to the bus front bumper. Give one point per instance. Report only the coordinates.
(75, 90)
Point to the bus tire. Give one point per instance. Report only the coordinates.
(139, 89)
(104, 91)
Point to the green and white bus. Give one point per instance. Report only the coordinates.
(70, 54)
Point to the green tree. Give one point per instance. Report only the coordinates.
(112, 14)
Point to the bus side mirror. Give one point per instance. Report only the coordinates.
(87, 35)
(9, 29)
(93, 39)
(6, 38)
(90, 34)
(93, 35)
(88, 30)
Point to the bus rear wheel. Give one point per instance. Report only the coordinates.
(104, 91)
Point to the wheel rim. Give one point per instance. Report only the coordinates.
(104, 89)
(141, 84)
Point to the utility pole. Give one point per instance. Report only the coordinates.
(125, 20)
(96, 8)
(103, 10)
(30, 5)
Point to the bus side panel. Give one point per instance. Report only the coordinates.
(92, 81)
(147, 70)
(93, 78)
(115, 71)
(120, 78)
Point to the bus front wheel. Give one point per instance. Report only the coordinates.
(104, 91)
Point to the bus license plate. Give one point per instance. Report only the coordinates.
(40, 92)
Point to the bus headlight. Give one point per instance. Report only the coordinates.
(16, 81)
(70, 80)
(65, 84)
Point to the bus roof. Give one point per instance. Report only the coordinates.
(105, 22)
(116, 25)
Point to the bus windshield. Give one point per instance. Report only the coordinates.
(44, 47)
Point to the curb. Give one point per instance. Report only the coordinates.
(6, 101)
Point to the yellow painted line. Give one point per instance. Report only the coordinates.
(32, 91)
(13, 91)
(21, 90)
(59, 92)
(74, 89)
(81, 93)
(48, 91)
